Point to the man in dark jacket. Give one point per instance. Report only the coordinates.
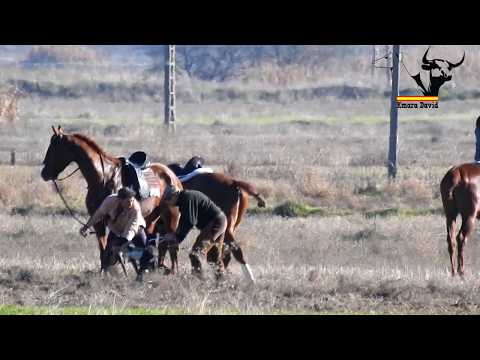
(197, 210)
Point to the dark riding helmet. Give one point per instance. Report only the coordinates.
(126, 193)
(170, 191)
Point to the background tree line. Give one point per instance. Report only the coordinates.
(224, 62)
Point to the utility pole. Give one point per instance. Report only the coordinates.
(389, 67)
(170, 88)
(392, 150)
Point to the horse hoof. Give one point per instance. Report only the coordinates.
(247, 272)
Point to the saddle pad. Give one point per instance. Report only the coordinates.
(153, 182)
(195, 173)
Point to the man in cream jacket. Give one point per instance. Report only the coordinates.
(123, 217)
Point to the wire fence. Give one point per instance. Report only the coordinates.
(15, 157)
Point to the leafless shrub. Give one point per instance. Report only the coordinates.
(60, 54)
(9, 104)
(313, 184)
(412, 191)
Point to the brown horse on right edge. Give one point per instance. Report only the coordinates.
(460, 190)
(232, 196)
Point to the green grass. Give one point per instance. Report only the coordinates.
(272, 119)
(401, 212)
(32, 310)
(413, 116)
(293, 209)
(29, 310)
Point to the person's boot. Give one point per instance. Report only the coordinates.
(146, 260)
(196, 266)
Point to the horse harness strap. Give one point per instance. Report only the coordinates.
(66, 177)
(103, 169)
(66, 205)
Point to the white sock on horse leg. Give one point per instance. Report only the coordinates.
(247, 271)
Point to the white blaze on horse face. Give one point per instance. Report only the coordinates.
(247, 271)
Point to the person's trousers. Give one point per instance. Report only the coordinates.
(140, 240)
(210, 238)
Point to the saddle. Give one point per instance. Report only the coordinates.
(194, 163)
(137, 174)
(192, 168)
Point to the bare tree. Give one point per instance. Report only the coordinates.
(186, 56)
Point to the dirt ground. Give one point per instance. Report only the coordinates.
(305, 268)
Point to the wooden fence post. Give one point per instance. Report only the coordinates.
(12, 158)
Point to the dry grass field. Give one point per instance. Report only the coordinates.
(349, 241)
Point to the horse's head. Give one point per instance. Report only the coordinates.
(58, 156)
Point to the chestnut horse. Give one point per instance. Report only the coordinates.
(460, 190)
(232, 196)
(102, 173)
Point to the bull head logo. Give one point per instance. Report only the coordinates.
(440, 72)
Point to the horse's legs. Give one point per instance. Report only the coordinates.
(238, 255)
(242, 209)
(466, 230)
(233, 219)
(100, 229)
(451, 229)
(162, 252)
(468, 203)
(227, 255)
(173, 252)
(227, 248)
(135, 266)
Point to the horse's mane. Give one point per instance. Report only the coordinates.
(90, 142)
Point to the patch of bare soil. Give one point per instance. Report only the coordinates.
(335, 294)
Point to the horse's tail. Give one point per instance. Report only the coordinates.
(250, 190)
(451, 179)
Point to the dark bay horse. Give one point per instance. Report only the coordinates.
(102, 173)
(460, 190)
(232, 196)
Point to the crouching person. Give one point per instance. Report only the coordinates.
(197, 210)
(123, 217)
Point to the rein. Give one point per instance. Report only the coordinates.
(72, 214)
(66, 205)
(66, 177)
